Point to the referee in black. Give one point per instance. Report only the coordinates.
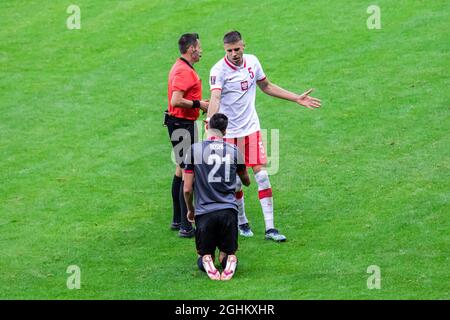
(210, 174)
(184, 102)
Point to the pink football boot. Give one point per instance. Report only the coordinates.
(228, 273)
(211, 271)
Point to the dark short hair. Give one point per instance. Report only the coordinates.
(232, 37)
(218, 121)
(187, 40)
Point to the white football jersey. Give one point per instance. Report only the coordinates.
(238, 85)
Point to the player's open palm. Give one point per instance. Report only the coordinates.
(307, 101)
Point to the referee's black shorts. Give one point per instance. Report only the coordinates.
(182, 133)
(218, 229)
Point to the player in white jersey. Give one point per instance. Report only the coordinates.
(233, 83)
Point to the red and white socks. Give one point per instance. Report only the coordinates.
(265, 197)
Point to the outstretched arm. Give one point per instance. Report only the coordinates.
(275, 91)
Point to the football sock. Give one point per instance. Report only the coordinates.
(200, 264)
(265, 197)
(224, 261)
(242, 219)
(176, 182)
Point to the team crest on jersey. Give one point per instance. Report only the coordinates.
(244, 85)
(213, 80)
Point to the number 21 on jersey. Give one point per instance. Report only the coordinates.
(217, 161)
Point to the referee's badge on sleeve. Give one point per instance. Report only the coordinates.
(213, 80)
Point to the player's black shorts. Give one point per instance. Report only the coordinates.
(217, 229)
(181, 130)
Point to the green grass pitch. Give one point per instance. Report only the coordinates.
(85, 168)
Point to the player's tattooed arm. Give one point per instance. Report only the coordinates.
(275, 91)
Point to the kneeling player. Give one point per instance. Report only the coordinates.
(210, 173)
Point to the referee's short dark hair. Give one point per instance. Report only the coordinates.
(232, 37)
(187, 40)
(218, 121)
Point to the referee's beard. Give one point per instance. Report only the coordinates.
(196, 57)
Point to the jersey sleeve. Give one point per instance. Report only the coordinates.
(216, 79)
(181, 81)
(260, 75)
(189, 161)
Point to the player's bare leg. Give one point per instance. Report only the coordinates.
(229, 263)
(266, 200)
(244, 228)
